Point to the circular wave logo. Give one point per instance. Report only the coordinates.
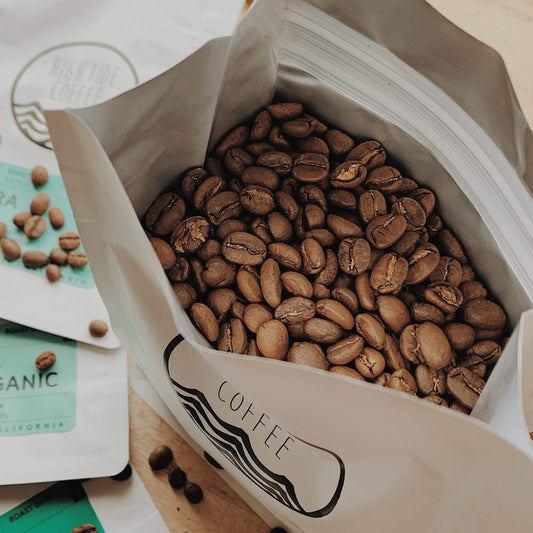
(71, 75)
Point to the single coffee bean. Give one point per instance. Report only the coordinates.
(342, 199)
(393, 356)
(389, 273)
(226, 228)
(21, 218)
(10, 249)
(232, 336)
(294, 310)
(369, 327)
(422, 263)
(279, 162)
(401, 380)
(336, 312)
(339, 143)
(279, 227)
(310, 167)
(35, 227)
(223, 206)
(484, 314)
(39, 203)
(39, 176)
(313, 258)
(160, 457)
(261, 126)
(412, 211)
(346, 350)
(407, 243)
(445, 296)
(492, 334)
(354, 255)
(85, 528)
(464, 386)
(255, 315)
(323, 236)
(191, 181)
(322, 331)
(472, 290)
(309, 354)
(220, 302)
(312, 217)
(285, 111)
(429, 380)
(370, 363)
(45, 360)
(475, 364)
(436, 399)
(165, 213)
(193, 492)
(53, 273)
(393, 312)
(34, 259)
(434, 224)
(450, 246)
(257, 200)
(218, 272)
(205, 321)
(489, 351)
(185, 293)
(369, 153)
(235, 138)
(348, 175)
(181, 269)
(300, 127)
(365, 293)
(237, 309)
(426, 199)
(285, 255)
(372, 204)
(197, 270)
(56, 217)
(270, 281)
(256, 149)
(346, 371)
(273, 339)
(77, 259)
(98, 328)
(320, 292)
(448, 270)
(328, 274)
(124, 474)
(236, 160)
(426, 343)
(260, 176)
(343, 228)
(207, 189)
(163, 250)
(287, 204)
(297, 284)
(424, 312)
(177, 478)
(312, 194)
(249, 284)
(346, 297)
(244, 249)
(69, 240)
(461, 336)
(311, 144)
(383, 379)
(385, 179)
(384, 230)
(468, 274)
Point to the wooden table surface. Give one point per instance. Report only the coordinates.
(507, 26)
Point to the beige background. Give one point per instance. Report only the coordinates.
(507, 26)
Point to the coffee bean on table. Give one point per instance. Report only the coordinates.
(21, 218)
(39, 176)
(45, 360)
(10, 249)
(56, 217)
(77, 259)
(160, 457)
(34, 259)
(35, 226)
(193, 492)
(58, 256)
(98, 328)
(53, 273)
(124, 474)
(39, 203)
(85, 528)
(69, 240)
(3, 229)
(177, 478)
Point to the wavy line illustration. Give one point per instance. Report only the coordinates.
(31, 114)
(32, 106)
(39, 128)
(40, 136)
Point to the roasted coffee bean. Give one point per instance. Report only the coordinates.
(336, 312)
(445, 296)
(348, 175)
(236, 160)
(323, 236)
(280, 227)
(369, 153)
(191, 181)
(370, 363)
(255, 315)
(482, 334)
(21, 218)
(211, 248)
(163, 250)
(384, 230)
(489, 351)
(412, 212)
(422, 263)
(434, 224)
(328, 274)
(365, 293)
(472, 290)
(295, 309)
(401, 380)
(309, 354)
(232, 336)
(193, 492)
(285, 111)
(393, 312)
(287, 204)
(279, 162)
(69, 240)
(285, 255)
(190, 234)
(383, 379)
(297, 284)
(207, 190)
(197, 270)
(468, 274)
(346, 371)
(322, 331)
(311, 144)
(371, 205)
(249, 284)
(45, 360)
(235, 138)
(85, 528)
(260, 228)
(244, 249)
(320, 292)
(278, 140)
(393, 356)
(313, 216)
(342, 199)
(464, 386)
(310, 167)
(297, 331)
(39, 203)
(475, 364)
(346, 297)
(354, 255)
(429, 380)
(312, 194)
(484, 314)
(34, 259)
(218, 272)
(257, 200)
(273, 339)
(35, 227)
(385, 179)
(10, 249)
(270, 280)
(313, 258)
(177, 478)
(53, 273)
(423, 312)
(185, 293)
(261, 126)
(426, 199)
(407, 244)
(256, 149)
(426, 343)
(448, 270)
(389, 273)
(39, 176)
(346, 350)
(449, 245)
(77, 259)
(436, 399)
(56, 217)
(160, 457)
(226, 228)
(237, 310)
(260, 176)
(300, 127)
(339, 143)
(98, 328)
(220, 301)
(369, 327)
(205, 321)
(165, 213)
(124, 474)
(223, 206)
(343, 228)
(461, 336)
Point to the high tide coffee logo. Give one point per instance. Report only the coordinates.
(71, 75)
(301, 476)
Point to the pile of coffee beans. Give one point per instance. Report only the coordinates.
(296, 242)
